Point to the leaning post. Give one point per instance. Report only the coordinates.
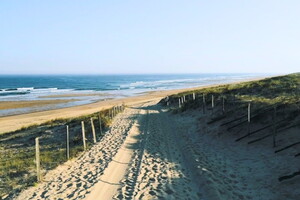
(93, 130)
(83, 135)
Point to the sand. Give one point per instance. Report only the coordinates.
(25, 104)
(150, 153)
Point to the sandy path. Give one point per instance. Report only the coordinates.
(74, 180)
(159, 169)
(139, 158)
(110, 181)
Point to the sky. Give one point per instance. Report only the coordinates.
(133, 37)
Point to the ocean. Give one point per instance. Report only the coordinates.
(46, 87)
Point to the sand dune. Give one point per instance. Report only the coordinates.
(150, 153)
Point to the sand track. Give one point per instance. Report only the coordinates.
(138, 158)
(159, 169)
(75, 179)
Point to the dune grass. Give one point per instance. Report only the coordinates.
(269, 91)
(17, 149)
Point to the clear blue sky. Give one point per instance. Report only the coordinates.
(154, 36)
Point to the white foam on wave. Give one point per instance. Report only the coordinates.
(25, 89)
(156, 84)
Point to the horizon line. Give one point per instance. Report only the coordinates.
(109, 74)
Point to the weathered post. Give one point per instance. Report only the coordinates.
(68, 144)
(194, 96)
(274, 126)
(93, 130)
(203, 104)
(83, 135)
(100, 125)
(249, 116)
(249, 112)
(212, 104)
(37, 160)
(223, 104)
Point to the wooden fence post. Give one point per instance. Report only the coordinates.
(223, 104)
(194, 96)
(100, 125)
(179, 104)
(212, 104)
(249, 116)
(68, 144)
(83, 135)
(37, 159)
(249, 112)
(274, 126)
(204, 104)
(93, 130)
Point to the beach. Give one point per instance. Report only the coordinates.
(26, 104)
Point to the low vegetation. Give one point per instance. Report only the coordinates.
(269, 91)
(17, 157)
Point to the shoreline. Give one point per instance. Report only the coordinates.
(16, 122)
(5, 105)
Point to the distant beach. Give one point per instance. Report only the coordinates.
(40, 93)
